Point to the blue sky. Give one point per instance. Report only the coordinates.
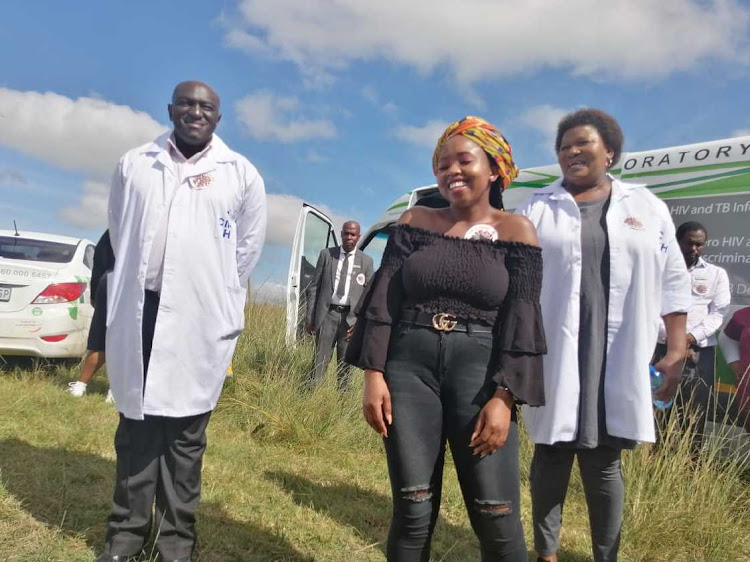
(340, 103)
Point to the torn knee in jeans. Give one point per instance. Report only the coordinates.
(416, 494)
(492, 508)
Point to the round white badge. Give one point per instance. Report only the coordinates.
(481, 232)
(361, 279)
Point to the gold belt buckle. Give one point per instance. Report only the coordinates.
(444, 322)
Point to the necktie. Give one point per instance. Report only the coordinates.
(342, 278)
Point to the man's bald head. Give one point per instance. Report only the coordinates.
(190, 84)
(195, 112)
(350, 234)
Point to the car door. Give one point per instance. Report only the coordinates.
(315, 232)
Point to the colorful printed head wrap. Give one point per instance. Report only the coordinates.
(488, 138)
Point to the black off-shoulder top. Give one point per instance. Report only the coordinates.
(495, 283)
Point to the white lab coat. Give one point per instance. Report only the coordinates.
(215, 234)
(648, 279)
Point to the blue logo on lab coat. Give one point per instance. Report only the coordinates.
(226, 227)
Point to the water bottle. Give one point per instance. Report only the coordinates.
(657, 379)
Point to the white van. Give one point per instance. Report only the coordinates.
(707, 182)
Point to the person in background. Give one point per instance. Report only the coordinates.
(735, 343)
(104, 262)
(340, 278)
(711, 299)
(612, 269)
(450, 336)
(187, 219)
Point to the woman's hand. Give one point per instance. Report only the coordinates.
(671, 365)
(673, 362)
(493, 424)
(735, 366)
(376, 402)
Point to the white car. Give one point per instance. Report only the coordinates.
(45, 301)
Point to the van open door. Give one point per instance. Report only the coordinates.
(315, 232)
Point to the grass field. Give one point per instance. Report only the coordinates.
(293, 476)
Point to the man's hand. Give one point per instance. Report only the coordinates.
(671, 365)
(349, 332)
(493, 424)
(376, 402)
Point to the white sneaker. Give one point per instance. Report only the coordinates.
(77, 388)
(109, 399)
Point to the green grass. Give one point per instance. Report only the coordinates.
(297, 476)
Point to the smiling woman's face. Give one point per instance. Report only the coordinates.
(464, 173)
(584, 158)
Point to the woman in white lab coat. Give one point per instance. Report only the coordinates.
(612, 271)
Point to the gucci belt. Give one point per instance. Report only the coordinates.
(444, 322)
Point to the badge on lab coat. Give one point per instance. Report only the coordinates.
(633, 223)
(201, 181)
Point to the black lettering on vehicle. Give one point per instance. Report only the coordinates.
(723, 150)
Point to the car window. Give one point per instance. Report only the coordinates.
(374, 246)
(88, 256)
(18, 248)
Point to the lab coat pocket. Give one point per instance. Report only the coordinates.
(235, 311)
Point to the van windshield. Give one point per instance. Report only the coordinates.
(375, 245)
(27, 249)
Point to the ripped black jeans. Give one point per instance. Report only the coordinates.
(439, 382)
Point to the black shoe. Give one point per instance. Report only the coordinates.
(113, 558)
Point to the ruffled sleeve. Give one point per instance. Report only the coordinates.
(520, 341)
(380, 305)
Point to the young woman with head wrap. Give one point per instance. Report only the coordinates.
(450, 336)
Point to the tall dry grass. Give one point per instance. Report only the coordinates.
(272, 437)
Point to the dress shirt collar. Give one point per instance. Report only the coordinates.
(180, 158)
(700, 264)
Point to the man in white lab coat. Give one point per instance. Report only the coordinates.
(187, 219)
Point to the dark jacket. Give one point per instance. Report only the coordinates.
(320, 290)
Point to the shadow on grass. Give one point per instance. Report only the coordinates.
(369, 513)
(71, 491)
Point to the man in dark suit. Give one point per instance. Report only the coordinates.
(340, 277)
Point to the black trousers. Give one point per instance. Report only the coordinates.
(159, 461)
(438, 383)
(332, 332)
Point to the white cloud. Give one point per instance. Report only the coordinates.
(632, 40)
(283, 211)
(544, 120)
(267, 117)
(426, 135)
(86, 134)
(91, 210)
(313, 157)
(740, 133)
